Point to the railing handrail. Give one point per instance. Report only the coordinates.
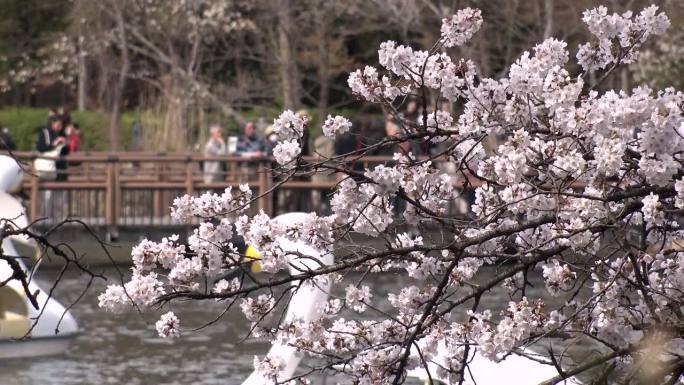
(113, 176)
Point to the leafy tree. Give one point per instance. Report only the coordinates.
(27, 29)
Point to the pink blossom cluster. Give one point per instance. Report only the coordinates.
(618, 36)
(581, 190)
(336, 125)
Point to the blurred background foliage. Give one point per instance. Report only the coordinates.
(180, 66)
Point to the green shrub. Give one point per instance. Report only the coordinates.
(94, 130)
(24, 124)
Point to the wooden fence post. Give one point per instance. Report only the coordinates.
(109, 194)
(33, 209)
(116, 186)
(157, 195)
(112, 197)
(262, 183)
(268, 176)
(189, 184)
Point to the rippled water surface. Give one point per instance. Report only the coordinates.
(125, 349)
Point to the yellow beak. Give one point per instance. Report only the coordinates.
(251, 254)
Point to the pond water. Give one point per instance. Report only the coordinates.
(125, 349)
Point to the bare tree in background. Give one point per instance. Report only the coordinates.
(191, 61)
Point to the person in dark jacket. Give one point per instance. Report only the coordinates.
(250, 143)
(52, 137)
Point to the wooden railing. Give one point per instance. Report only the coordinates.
(137, 189)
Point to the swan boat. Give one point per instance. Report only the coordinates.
(306, 299)
(24, 330)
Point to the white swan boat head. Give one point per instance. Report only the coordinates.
(304, 303)
(307, 299)
(45, 333)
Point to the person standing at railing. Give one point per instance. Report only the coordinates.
(137, 133)
(216, 146)
(271, 140)
(52, 141)
(250, 144)
(73, 136)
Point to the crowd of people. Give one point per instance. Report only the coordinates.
(250, 144)
(365, 133)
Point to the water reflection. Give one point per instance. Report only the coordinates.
(125, 349)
